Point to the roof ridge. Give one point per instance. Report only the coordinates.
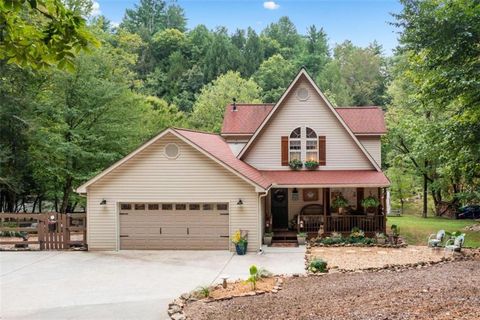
(196, 131)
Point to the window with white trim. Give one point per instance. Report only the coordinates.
(311, 145)
(295, 145)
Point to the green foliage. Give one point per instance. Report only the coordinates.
(370, 202)
(295, 164)
(311, 164)
(203, 291)
(254, 276)
(317, 265)
(211, 102)
(151, 16)
(435, 102)
(274, 76)
(42, 33)
(339, 202)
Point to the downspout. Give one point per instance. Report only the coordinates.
(259, 206)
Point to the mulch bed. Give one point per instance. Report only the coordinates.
(443, 291)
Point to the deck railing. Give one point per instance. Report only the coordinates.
(345, 223)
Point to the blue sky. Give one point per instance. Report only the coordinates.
(360, 21)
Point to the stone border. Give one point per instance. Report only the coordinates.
(468, 254)
(175, 308)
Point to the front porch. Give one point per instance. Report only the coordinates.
(313, 211)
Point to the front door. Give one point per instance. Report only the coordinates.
(280, 208)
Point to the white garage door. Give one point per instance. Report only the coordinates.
(150, 226)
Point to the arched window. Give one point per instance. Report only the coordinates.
(311, 145)
(303, 145)
(295, 145)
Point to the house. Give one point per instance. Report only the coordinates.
(187, 189)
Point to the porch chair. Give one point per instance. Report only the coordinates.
(434, 240)
(455, 244)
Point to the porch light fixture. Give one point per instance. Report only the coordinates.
(240, 202)
(295, 191)
(103, 202)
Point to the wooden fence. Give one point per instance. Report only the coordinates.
(50, 231)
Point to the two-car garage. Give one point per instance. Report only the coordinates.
(153, 226)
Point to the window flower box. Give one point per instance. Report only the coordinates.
(311, 164)
(295, 164)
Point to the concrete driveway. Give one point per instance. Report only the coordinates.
(119, 285)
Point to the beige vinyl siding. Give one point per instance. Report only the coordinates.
(373, 146)
(236, 147)
(151, 177)
(342, 151)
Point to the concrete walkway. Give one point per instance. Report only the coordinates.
(119, 285)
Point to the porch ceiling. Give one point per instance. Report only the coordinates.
(327, 178)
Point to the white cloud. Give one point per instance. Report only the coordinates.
(271, 5)
(95, 9)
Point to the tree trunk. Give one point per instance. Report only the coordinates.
(425, 196)
(401, 205)
(67, 189)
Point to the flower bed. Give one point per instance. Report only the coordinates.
(218, 293)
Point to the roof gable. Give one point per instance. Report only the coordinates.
(209, 144)
(304, 75)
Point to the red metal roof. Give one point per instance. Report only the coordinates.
(327, 178)
(219, 149)
(248, 117)
(216, 146)
(363, 120)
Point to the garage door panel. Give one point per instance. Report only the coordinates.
(174, 229)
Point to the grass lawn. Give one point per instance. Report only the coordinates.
(416, 229)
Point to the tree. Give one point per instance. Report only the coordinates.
(316, 54)
(84, 121)
(355, 75)
(435, 100)
(210, 105)
(273, 77)
(285, 33)
(42, 33)
(152, 16)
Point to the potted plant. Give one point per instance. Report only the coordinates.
(267, 238)
(295, 164)
(311, 164)
(301, 238)
(240, 241)
(380, 237)
(339, 203)
(370, 203)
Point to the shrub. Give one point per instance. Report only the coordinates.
(357, 233)
(254, 276)
(317, 265)
(203, 291)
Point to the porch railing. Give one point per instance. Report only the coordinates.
(345, 223)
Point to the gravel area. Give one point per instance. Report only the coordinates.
(444, 291)
(354, 258)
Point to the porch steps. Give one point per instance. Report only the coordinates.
(284, 239)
